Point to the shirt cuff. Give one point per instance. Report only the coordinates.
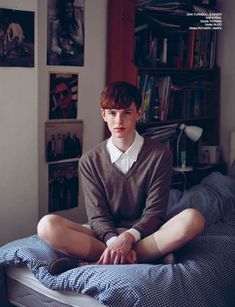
(111, 240)
(135, 233)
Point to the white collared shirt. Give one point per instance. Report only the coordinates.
(124, 161)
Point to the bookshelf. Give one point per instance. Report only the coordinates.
(174, 68)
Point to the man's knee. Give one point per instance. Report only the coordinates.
(193, 223)
(47, 225)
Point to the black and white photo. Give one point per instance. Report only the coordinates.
(65, 41)
(63, 140)
(63, 186)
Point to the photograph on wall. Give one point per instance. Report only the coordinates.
(63, 186)
(63, 95)
(65, 32)
(63, 140)
(16, 38)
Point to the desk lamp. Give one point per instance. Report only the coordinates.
(193, 133)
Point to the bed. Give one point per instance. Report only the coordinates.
(203, 275)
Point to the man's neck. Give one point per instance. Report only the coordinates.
(123, 143)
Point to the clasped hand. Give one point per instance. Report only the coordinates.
(120, 251)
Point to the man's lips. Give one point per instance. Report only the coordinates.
(119, 129)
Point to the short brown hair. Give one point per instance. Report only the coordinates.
(120, 95)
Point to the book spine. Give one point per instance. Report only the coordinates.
(164, 51)
(190, 48)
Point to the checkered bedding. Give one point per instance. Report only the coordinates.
(204, 273)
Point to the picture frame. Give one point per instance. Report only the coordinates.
(63, 186)
(63, 95)
(63, 140)
(65, 32)
(16, 38)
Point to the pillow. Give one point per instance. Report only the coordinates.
(214, 198)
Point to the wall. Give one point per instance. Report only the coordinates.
(226, 47)
(23, 113)
(19, 143)
(91, 82)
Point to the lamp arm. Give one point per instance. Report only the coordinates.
(177, 147)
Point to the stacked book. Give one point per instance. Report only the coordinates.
(162, 133)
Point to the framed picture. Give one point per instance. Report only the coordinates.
(63, 186)
(63, 95)
(63, 140)
(65, 40)
(16, 38)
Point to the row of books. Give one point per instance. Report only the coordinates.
(188, 103)
(201, 48)
(165, 99)
(186, 49)
(150, 50)
(162, 35)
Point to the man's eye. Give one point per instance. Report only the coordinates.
(112, 113)
(128, 112)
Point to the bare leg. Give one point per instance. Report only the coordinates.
(70, 238)
(174, 234)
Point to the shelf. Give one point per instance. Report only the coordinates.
(175, 69)
(189, 94)
(172, 121)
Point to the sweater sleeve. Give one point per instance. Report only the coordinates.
(154, 213)
(98, 212)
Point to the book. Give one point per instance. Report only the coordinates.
(141, 27)
(161, 132)
(164, 51)
(164, 91)
(154, 52)
(190, 48)
(148, 90)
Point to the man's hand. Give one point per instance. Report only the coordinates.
(131, 257)
(120, 251)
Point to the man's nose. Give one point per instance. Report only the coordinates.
(119, 118)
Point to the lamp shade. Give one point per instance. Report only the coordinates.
(192, 132)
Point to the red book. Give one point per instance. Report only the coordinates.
(190, 48)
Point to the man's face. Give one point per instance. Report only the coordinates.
(121, 122)
(63, 96)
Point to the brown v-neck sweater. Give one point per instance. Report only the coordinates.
(137, 199)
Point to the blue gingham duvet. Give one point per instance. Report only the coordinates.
(204, 274)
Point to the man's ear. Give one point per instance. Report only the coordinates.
(139, 113)
(103, 114)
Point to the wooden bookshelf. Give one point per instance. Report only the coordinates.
(147, 54)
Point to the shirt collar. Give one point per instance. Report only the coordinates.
(132, 152)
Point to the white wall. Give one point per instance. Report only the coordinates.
(23, 113)
(91, 82)
(19, 143)
(226, 47)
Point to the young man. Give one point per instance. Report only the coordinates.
(126, 181)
